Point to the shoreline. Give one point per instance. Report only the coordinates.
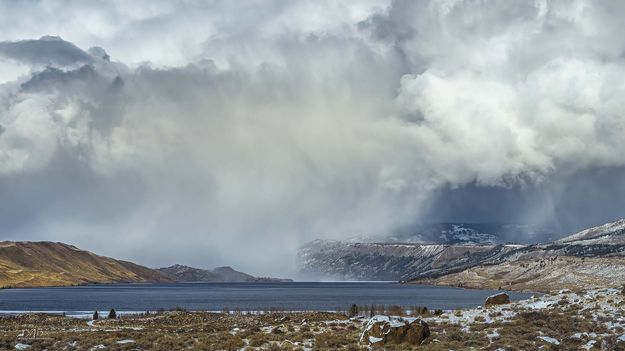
(423, 283)
(143, 283)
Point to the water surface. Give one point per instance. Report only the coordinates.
(296, 296)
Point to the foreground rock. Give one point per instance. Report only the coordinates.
(385, 330)
(499, 299)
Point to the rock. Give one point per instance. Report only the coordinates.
(498, 299)
(385, 330)
(278, 330)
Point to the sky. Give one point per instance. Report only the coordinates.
(230, 132)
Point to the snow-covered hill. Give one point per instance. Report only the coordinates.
(607, 234)
(591, 258)
(463, 234)
(325, 259)
(460, 247)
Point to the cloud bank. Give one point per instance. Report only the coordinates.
(229, 133)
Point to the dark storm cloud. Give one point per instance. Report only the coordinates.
(230, 133)
(564, 203)
(48, 50)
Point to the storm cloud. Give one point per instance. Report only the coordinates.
(230, 133)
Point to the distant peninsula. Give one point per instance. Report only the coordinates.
(184, 273)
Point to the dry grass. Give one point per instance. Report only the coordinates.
(181, 330)
(511, 328)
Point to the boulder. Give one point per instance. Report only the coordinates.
(278, 330)
(498, 299)
(385, 330)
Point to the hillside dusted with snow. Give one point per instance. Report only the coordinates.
(607, 234)
(340, 260)
(467, 234)
(415, 251)
(594, 257)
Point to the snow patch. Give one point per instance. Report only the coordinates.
(589, 345)
(549, 340)
(373, 339)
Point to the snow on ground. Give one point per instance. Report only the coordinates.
(550, 340)
(493, 334)
(604, 306)
(125, 341)
(373, 339)
(602, 302)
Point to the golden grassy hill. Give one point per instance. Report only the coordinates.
(32, 264)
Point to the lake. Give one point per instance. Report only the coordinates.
(296, 296)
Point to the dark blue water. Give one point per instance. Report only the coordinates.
(296, 296)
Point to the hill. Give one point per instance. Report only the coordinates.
(594, 257)
(329, 259)
(184, 273)
(591, 258)
(35, 264)
(424, 249)
(466, 234)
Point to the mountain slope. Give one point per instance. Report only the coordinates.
(467, 234)
(591, 257)
(184, 273)
(230, 275)
(539, 275)
(594, 257)
(180, 272)
(607, 234)
(31, 264)
(387, 261)
(419, 250)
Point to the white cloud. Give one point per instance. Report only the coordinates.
(263, 125)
